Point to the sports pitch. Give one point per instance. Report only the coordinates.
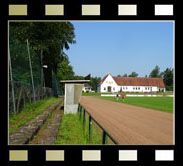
(156, 103)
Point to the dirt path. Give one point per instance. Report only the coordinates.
(26, 132)
(131, 124)
(48, 132)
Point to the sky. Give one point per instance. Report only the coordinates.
(121, 47)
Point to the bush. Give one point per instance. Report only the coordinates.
(169, 88)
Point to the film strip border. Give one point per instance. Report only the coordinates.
(93, 10)
(18, 155)
(96, 10)
(89, 155)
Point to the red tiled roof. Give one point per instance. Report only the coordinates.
(139, 81)
(103, 79)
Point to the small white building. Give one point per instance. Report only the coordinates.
(86, 88)
(131, 84)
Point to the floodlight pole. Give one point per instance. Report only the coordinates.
(34, 97)
(12, 84)
(41, 68)
(42, 72)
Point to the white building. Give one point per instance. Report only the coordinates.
(86, 88)
(131, 84)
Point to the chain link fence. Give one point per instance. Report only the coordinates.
(23, 94)
(26, 77)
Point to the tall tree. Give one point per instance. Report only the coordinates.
(65, 70)
(155, 73)
(133, 74)
(168, 78)
(50, 37)
(95, 82)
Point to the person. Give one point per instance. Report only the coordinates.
(117, 97)
(123, 97)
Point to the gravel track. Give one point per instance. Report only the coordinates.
(131, 125)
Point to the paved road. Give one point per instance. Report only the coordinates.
(131, 125)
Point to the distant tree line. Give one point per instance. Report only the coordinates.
(166, 75)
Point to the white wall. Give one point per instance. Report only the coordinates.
(139, 88)
(109, 81)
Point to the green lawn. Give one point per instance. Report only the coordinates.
(156, 103)
(72, 131)
(29, 112)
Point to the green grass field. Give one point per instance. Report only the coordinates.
(156, 103)
(29, 112)
(72, 131)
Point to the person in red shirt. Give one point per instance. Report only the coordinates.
(123, 97)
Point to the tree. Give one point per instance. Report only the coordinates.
(133, 74)
(88, 77)
(50, 37)
(168, 78)
(76, 77)
(155, 73)
(65, 70)
(125, 75)
(94, 83)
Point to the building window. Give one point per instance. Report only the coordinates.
(104, 88)
(126, 88)
(138, 88)
(113, 88)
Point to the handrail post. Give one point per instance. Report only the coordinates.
(104, 137)
(78, 107)
(84, 117)
(90, 129)
(80, 113)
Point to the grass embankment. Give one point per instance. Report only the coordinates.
(29, 112)
(72, 131)
(156, 103)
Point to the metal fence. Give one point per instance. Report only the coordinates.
(105, 135)
(26, 76)
(21, 94)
